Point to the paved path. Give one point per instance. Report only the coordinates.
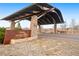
(65, 36)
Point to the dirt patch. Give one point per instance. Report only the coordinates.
(44, 46)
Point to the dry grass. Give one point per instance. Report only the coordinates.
(44, 46)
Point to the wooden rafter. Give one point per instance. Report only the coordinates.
(52, 18)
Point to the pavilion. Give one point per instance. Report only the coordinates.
(38, 14)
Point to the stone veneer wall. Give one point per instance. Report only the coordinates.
(13, 34)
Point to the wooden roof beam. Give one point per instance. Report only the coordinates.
(52, 18)
(56, 13)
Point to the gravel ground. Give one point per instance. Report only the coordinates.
(45, 45)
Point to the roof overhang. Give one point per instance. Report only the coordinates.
(50, 14)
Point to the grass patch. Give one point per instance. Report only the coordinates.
(2, 34)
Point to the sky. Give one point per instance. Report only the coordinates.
(69, 11)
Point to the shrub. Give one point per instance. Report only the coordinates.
(2, 33)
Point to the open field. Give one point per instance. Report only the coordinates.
(45, 45)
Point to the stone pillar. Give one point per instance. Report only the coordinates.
(55, 27)
(12, 25)
(39, 29)
(33, 26)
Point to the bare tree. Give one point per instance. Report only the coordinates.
(63, 26)
(73, 24)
